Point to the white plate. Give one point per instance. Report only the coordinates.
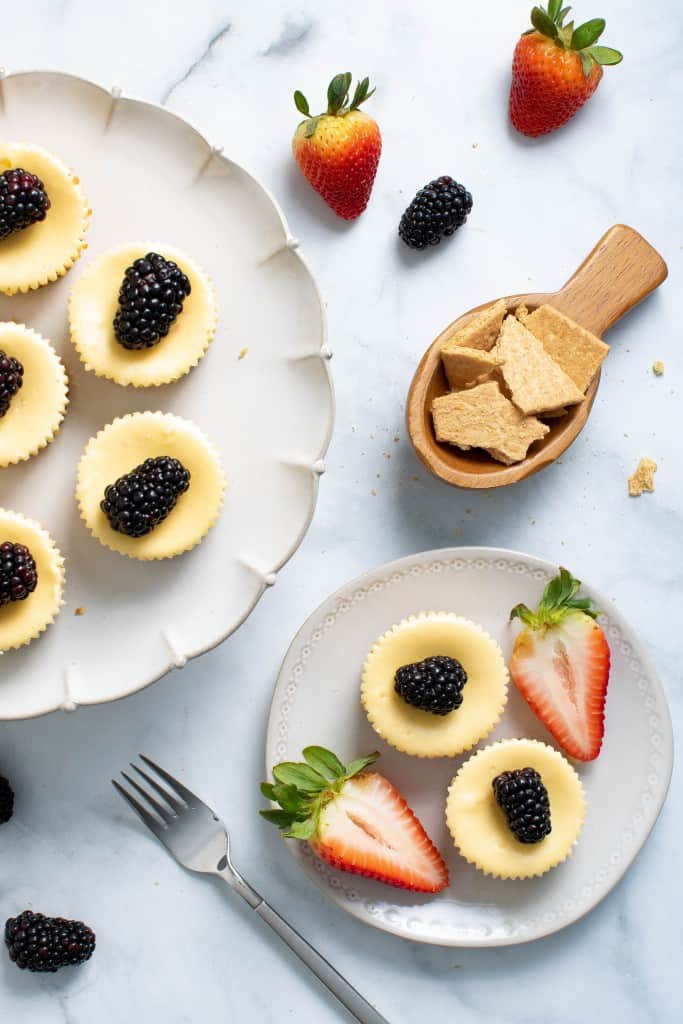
(316, 700)
(150, 176)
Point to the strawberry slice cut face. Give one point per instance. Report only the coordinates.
(353, 819)
(370, 830)
(560, 664)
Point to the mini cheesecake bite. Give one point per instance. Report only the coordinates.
(31, 580)
(515, 809)
(142, 314)
(150, 485)
(434, 685)
(43, 217)
(33, 393)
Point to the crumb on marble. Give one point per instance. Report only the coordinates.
(80, 610)
(643, 479)
(658, 367)
(396, 438)
(373, 492)
(415, 478)
(242, 353)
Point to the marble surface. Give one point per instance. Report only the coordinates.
(173, 948)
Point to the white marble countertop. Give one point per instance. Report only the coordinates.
(175, 949)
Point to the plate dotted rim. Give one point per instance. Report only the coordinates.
(648, 804)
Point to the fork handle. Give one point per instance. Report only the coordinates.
(354, 1002)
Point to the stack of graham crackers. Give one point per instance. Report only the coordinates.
(510, 373)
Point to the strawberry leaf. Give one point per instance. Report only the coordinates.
(559, 598)
(562, 15)
(300, 775)
(363, 92)
(301, 829)
(554, 8)
(301, 103)
(587, 62)
(291, 799)
(588, 33)
(354, 767)
(543, 23)
(324, 762)
(337, 92)
(311, 126)
(280, 818)
(268, 790)
(605, 54)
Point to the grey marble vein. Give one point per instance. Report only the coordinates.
(293, 34)
(215, 39)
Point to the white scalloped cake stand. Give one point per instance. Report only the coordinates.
(150, 176)
(316, 700)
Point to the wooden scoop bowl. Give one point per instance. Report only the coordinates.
(620, 271)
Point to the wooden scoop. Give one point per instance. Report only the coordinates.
(620, 271)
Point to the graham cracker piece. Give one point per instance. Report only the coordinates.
(579, 352)
(643, 479)
(482, 330)
(658, 367)
(482, 417)
(464, 366)
(537, 384)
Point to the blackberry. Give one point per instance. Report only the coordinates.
(524, 801)
(18, 573)
(6, 800)
(142, 499)
(11, 379)
(150, 299)
(23, 200)
(40, 943)
(438, 209)
(434, 684)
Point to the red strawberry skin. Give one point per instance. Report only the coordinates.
(340, 159)
(562, 672)
(548, 85)
(369, 829)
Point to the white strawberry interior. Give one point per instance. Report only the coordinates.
(559, 669)
(370, 827)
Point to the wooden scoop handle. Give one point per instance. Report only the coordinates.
(620, 271)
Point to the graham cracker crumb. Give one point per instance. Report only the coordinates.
(483, 418)
(482, 330)
(537, 383)
(577, 351)
(243, 352)
(373, 492)
(658, 368)
(80, 610)
(643, 479)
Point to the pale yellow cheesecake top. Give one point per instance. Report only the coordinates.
(479, 827)
(44, 251)
(23, 621)
(125, 444)
(422, 733)
(37, 409)
(93, 304)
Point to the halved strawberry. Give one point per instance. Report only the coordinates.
(355, 820)
(560, 664)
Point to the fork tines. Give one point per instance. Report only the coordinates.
(156, 814)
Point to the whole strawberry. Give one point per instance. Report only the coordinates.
(338, 151)
(555, 69)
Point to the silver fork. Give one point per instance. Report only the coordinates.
(199, 840)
